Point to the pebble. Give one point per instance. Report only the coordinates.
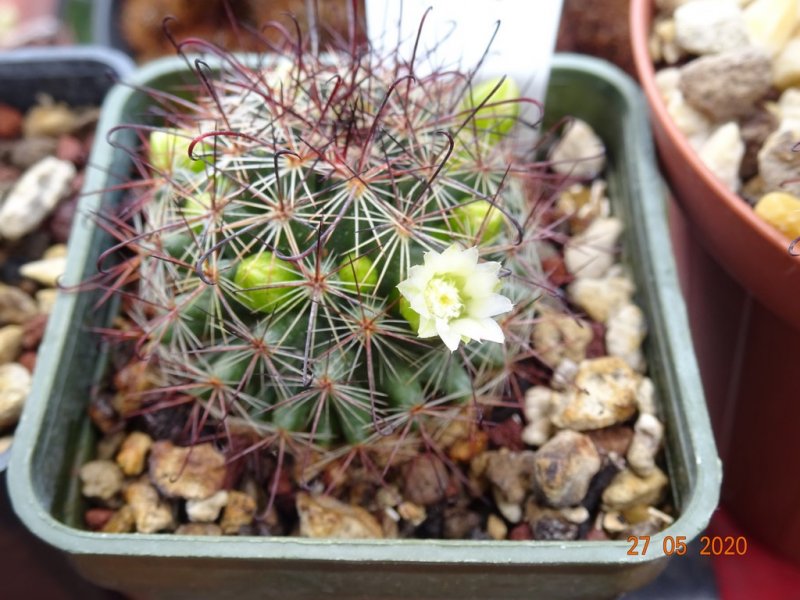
(46, 300)
(208, 509)
(579, 152)
(691, 122)
(614, 522)
(648, 433)
(122, 521)
(413, 513)
(425, 480)
(710, 26)
(10, 343)
(599, 298)
(511, 475)
(754, 129)
(770, 23)
(101, 479)
(109, 445)
(325, 517)
(538, 408)
(520, 532)
(582, 204)
(27, 152)
(49, 120)
(549, 525)
(646, 396)
(16, 307)
(132, 453)
(726, 86)
(782, 211)
(459, 523)
(192, 473)
(722, 153)
(789, 109)
(591, 252)
(199, 529)
(96, 518)
(15, 385)
(604, 394)
(35, 196)
(557, 336)
(238, 512)
(779, 163)
(786, 66)
(626, 330)
(627, 489)
(10, 122)
(564, 374)
(663, 43)
(46, 271)
(150, 513)
(496, 527)
(564, 467)
(612, 441)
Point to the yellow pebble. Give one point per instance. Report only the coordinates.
(770, 23)
(782, 211)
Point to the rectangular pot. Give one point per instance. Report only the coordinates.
(79, 76)
(55, 435)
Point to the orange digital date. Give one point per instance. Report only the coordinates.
(712, 545)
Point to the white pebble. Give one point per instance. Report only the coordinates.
(35, 196)
(591, 253)
(626, 329)
(722, 153)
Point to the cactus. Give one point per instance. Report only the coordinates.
(279, 213)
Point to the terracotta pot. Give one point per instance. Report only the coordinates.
(754, 253)
(742, 288)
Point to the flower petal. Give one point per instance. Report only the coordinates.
(427, 327)
(490, 306)
(450, 336)
(492, 331)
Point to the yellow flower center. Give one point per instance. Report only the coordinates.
(443, 299)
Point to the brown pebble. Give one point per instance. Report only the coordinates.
(425, 480)
(496, 527)
(597, 535)
(465, 449)
(238, 512)
(28, 360)
(122, 521)
(556, 270)
(29, 151)
(71, 149)
(60, 223)
(10, 122)
(132, 454)
(33, 332)
(597, 345)
(193, 473)
(96, 518)
(520, 532)
(615, 439)
(326, 517)
(9, 174)
(507, 434)
(199, 529)
(459, 523)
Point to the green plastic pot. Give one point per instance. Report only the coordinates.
(55, 435)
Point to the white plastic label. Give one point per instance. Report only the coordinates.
(456, 33)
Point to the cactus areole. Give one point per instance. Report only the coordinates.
(331, 250)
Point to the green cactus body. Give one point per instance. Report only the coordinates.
(268, 271)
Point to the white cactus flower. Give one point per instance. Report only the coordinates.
(456, 297)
